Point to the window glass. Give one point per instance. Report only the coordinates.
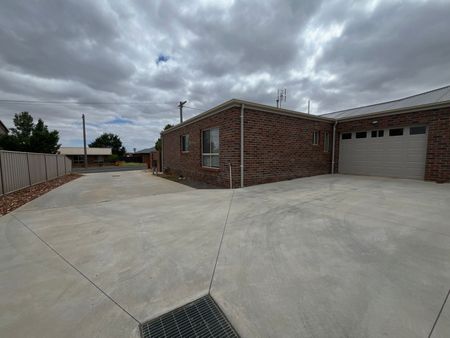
(346, 136)
(396, 132)
(210, 148)
(214, 140)
(417, 130)
(215, 161)
(377, 133)
(206, 160)
(315, 140)
(206, 141)
(326, 141)
(361, 134)
(185, 143)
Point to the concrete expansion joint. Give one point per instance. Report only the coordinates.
(75, 268)
(221, 240)
(439, 313)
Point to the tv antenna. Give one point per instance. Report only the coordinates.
(281, 96)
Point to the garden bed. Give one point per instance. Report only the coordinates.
(18, 198)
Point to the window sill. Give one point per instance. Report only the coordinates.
(185, 152)
(210, 169)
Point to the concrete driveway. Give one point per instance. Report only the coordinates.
(327, 256)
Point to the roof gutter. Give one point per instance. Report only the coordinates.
(398, 111)
(249, 105)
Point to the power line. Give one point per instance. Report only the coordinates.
(84, 103)
(193, 108)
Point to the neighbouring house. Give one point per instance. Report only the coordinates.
(3, 129)
(240, 143)
(150, 156)
(95, 156)
(143, 155)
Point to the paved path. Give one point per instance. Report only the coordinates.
(329, 256)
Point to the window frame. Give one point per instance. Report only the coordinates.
(211, 155)
(316, 138)
(377, 133)
(392, 129)
(186, 144)
(346, 138)
(360, 134)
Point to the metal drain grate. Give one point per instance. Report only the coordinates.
(201, 318)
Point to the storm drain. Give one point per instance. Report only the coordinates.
(201, 318)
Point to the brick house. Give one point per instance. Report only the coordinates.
(95, 156)
(3, 129)
(150, 156)
(407, 138)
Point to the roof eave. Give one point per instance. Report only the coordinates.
(398, 111)
(251, 105)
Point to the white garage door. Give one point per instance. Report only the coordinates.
(394, 152)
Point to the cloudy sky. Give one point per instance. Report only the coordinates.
(129, 62)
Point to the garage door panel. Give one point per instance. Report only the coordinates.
(394, 156)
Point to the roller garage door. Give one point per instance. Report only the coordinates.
(395, 152)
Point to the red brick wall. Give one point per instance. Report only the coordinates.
(277, 148)
(437, 166)
(280, 147)
(154, 156)
(190, 165)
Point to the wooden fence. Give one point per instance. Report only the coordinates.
(19, 170)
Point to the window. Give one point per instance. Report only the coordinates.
(184, 143)
(326, 142)
(417, 130)
(377, 133)
(396, 132)
(361, 134)
(315, 139)
(78, 158)
(210, 148)
(346, 136)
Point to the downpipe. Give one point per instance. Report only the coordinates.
(231, 177)
(333, 150)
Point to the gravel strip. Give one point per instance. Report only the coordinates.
(18, 198)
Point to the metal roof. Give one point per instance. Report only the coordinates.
(248, 105)
(145, 151)
(430, 98)
(80, 151)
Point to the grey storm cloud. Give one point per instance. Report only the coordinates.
(140, 58)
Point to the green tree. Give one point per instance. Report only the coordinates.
(42, 140)
(158, 142)
(107, 140)
(26, 136)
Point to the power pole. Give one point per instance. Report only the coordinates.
(309, 105)
(182, 103)
(84, 142)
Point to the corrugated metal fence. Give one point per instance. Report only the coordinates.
(20, 170)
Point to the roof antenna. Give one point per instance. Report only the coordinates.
(281, 95)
